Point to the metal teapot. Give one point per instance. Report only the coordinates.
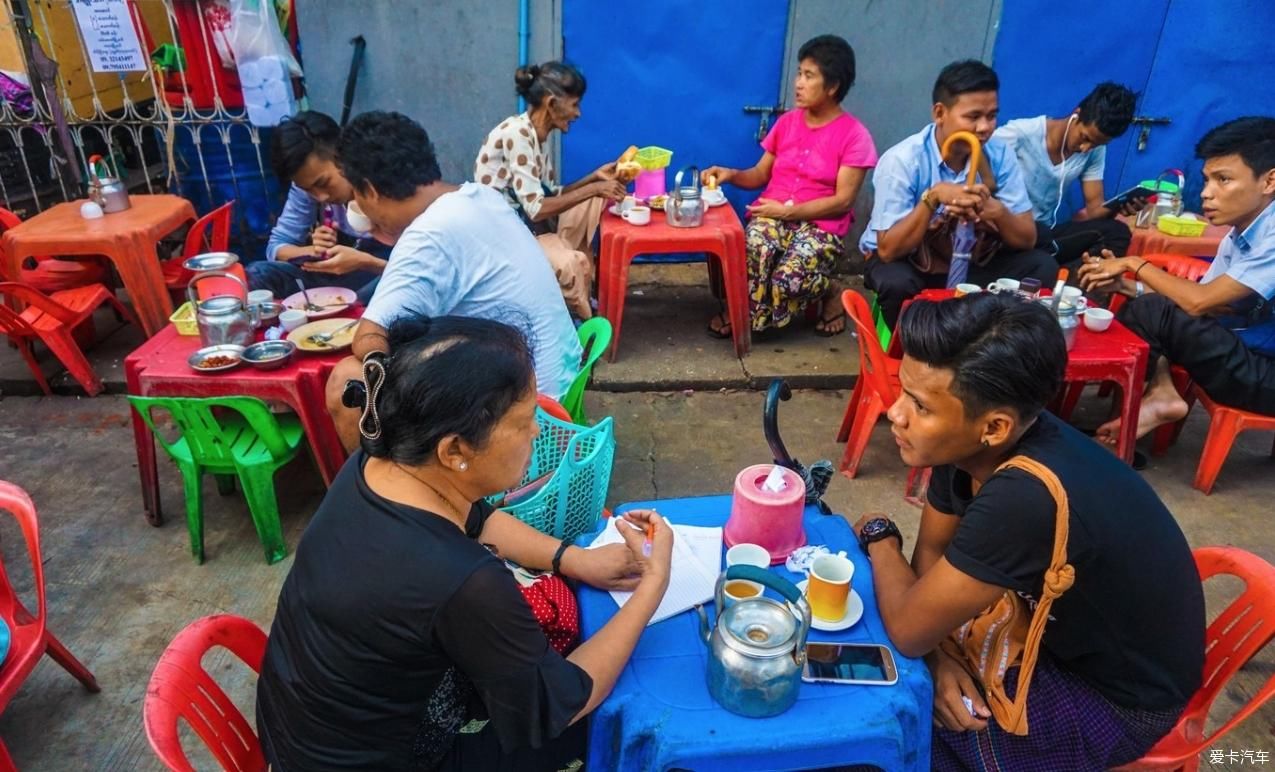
(106, 191)
(221, 318)
(685, 207)
(1166, 201)
(757, 649)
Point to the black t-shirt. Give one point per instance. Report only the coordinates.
(1132, 624)
(394, 629)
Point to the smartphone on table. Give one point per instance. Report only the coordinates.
(869, 664)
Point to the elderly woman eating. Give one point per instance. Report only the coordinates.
(815, 159)
(401, 640)
(516, 160)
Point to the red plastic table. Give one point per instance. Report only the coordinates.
(126, 238)
(720, 235)
(1150, 241)
(1117, 356)
(158, 368)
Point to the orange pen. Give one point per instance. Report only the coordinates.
(650, 534)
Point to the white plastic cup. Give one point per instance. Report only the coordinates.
(292, 319)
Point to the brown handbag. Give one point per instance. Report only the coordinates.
(1007, 633)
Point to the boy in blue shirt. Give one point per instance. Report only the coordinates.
(1220, 330)
(1055, 152)
(312, 240)
(917, 192)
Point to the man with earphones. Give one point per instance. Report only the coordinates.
(1055, 152)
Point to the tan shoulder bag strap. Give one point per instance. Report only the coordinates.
(1058, 577)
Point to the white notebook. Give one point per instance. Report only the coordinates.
(697, 560)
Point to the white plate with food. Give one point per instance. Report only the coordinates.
(311, 337)
(324, 301)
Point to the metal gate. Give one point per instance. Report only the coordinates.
(172, 130)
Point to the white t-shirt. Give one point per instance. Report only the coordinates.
(1046, 179)
(468, 254)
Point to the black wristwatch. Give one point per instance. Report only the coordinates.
(557, 556)
(876, 529)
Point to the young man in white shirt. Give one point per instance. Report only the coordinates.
(1055, 152)
(1221, 330)
(458, 250)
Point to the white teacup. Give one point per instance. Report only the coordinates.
(748, 555)
(714, 196)
(627, 203)
(739, 589)
(1003, 285)
(967, 289)
(292, 319)
(638, 215)
(1098, 319)
(357, 220)
(258, 296)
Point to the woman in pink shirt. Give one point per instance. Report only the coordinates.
(815, 161)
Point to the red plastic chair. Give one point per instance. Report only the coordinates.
(29, 638)
(876, 388)
(181, 689)
(1225, 424)
(553, 407)
(210, 233)
(1231, 640)
(54, 320)
(49, 274)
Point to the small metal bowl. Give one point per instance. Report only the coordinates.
(269, 354)
(268, 313)
(200, 358)
(211, 261)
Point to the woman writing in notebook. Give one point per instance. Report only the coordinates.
(401, 640)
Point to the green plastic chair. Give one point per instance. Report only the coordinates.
(595, 338)
(883, 330)
(243, 440)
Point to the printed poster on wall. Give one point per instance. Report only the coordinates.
(109, 36)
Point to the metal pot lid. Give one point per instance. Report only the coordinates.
(211, 261)
(759, 627)
(220, 304)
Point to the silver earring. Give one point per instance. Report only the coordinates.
(464, 466)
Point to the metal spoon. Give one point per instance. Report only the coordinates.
(324, 338)
(309, 306)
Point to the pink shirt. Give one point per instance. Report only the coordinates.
(807, 160)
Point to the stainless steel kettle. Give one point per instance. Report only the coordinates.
(221, 318)
(757, 649)
(106, 191)
(685, 207)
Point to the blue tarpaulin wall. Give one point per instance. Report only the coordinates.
(1197, 62)
(674, 76)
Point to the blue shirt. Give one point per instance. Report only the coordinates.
(1249, 258)
(911, 167)
(468, 254)
(301, 213)
(1045, 179)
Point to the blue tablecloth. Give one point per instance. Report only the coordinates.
(660, 714)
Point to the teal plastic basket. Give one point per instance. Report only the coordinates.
(571, 501)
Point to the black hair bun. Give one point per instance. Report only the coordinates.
(524, 77)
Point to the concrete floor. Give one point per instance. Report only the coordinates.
(119, 589)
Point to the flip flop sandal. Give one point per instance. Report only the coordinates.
(724, 332)
(825, 332)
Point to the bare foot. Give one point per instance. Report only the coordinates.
(1158, 409)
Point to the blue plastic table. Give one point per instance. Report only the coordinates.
(660, 715)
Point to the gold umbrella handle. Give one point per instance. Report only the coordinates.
(976, 162)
